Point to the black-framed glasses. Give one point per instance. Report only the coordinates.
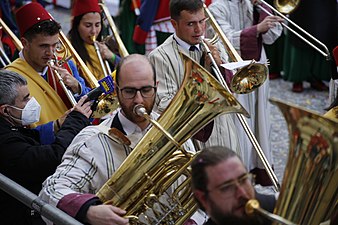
(230, 187)
(129, 93)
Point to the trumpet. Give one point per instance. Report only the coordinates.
(287, 7)
(240, 82)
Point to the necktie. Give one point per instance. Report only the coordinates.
(193, 48)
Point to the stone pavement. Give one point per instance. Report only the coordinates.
(309, 99)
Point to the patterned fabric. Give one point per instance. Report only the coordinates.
(170, 73)
(151, 41)
(237, 22)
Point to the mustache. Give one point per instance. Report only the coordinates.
(242, 202)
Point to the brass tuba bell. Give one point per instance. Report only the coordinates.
(143, 184)
(309, 191)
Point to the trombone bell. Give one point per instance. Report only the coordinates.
(286, 6)
(249, 78)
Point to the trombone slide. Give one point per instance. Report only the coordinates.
(103, 63)
(69, 94)
(326, 53)
(244, 123)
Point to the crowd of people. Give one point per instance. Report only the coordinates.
(50, 145)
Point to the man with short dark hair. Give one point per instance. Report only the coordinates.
(23, 157)
(222, 186)
(40, 37)
(189, 21)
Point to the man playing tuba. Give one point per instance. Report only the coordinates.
(98, 151)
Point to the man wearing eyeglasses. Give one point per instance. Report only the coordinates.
(98, 151)
(222, 186)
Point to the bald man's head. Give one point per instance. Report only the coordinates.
(132, 59)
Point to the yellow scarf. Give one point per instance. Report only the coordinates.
(52, 107)
(96, 68)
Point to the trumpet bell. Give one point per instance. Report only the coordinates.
(286, 6)
(249, 78)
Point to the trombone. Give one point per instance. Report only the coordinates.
(14, 38)
(104, 64)
(122, 49)
(250, 69)
(4, 60)
(68, 92)
(287, 8)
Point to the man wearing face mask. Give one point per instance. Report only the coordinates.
(39, 34)
(22, 156)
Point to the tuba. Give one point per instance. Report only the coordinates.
(143, 185)
(309, 192)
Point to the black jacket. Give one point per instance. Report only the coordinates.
(267, 202)
(27, 162)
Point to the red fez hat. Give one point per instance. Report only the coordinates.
(29, 15)
(85, 6)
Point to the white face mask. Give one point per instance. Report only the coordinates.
(30, 113)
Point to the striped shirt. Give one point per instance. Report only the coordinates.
(170, 73)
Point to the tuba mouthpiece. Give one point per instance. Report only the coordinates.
(139, 110)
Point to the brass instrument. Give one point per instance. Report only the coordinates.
(252, 207)
(254, 73)
(68, 92)
(104, 64)
(122, 49)
(105, 103)
(309, 191)
(68, 50)
(4, 60)
(287, 7)
(14, 38)
(143, 184)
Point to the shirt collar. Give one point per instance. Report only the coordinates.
(129, 127)
(184, 45)
(44, 71)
